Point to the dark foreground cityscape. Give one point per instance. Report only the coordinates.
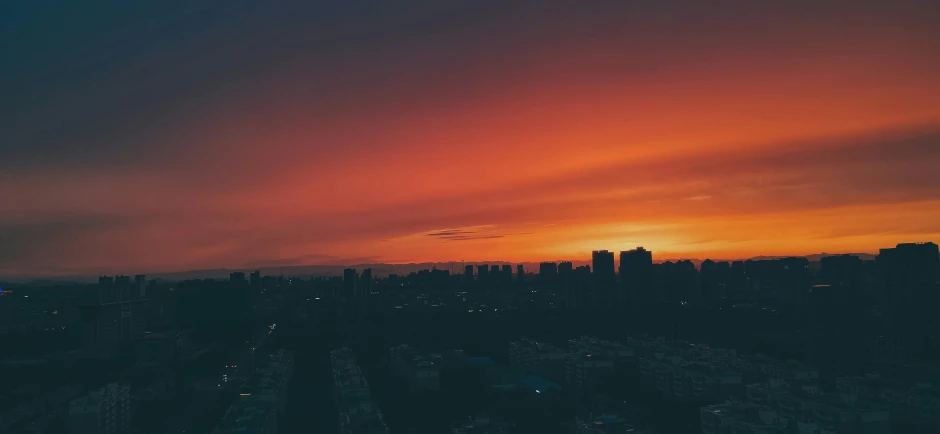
(845, 344)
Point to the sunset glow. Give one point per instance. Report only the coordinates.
(457, 131)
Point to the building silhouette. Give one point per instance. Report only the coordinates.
(636, 274)
(909, 274)
(113, 318)
(123, 287)
(237, 277)
(365, 283)
(140, 286)
(548, 271)
(714, 278)
(794, 280)
(565, 288)
(841, 270)
(350, 283)
(520, 273)
(605, 278)
(483, 272)
(581, 284)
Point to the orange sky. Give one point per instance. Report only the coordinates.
(534, 132)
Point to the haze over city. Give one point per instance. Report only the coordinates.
(175, 136)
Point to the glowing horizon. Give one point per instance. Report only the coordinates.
(244, 134)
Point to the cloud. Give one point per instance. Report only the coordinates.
(466, 234)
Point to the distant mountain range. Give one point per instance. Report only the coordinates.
(379, 270)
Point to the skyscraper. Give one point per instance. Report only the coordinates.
(237, 277)
(507, 273)
(123, 287)
(794, 280)
(256, 281)
(140, 286)
(636, 274)
(565, 283)
(468, 272)
(605, 278)
(909, 274)
(842, 270)
(520, 273)
(111, 320)
(106, 289)
(580, 294)
(548, 271)
(483, 272)
(714, 280)
(602, 262)
(365, 287)
(350, 280)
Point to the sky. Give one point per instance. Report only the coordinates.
(162, 135)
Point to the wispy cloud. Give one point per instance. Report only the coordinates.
(484, 232)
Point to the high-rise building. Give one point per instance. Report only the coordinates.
(636, 274)
(909, 275)
(105, 283)
(681, 282)
(506, 273)
(112, 320)
(565, 287)
(548, 271)
(602, 263)
(365, 287)
(605, 278)
(256, 281)
(580, 284)
(794, 280)
(103, 411)
(841, 270)
(494, 272)
(483, 272)
(123, 287)
(714, 280)
(520, 273)
(140, 286)
(237, 277)
(350, 280)
(468, 272)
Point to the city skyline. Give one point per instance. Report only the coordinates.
(243, 134)
(453, 267)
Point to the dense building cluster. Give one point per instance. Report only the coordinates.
(102, 411)
(420, 371)
(357, 412)
(261, 399)
(826, 321)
